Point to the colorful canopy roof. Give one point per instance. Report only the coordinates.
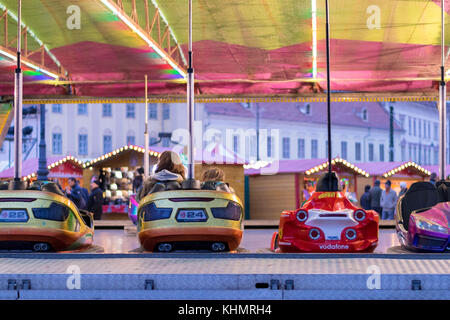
(241, 47)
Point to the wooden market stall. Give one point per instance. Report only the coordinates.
(290, 182)
(118, 169)
(60, 169)
(216, 155)
(397, 172)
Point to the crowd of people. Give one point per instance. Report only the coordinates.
(384, 201)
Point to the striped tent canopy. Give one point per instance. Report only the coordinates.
(242, 48)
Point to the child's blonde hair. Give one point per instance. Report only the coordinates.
(213, 174)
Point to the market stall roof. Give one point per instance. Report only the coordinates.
(214, 153)
(242, 48)
(307, 166)
(396, 168)
(435, 169)
(30, 167)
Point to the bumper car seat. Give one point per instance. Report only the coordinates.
(443, 188)
(165, 186)
(420, 195)
(323, 184)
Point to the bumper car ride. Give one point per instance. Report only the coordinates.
(327, 222)
(190, 219)
(42, 221)
(426, 228)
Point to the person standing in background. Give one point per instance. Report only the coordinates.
(365, 199)
(95, 202)
(403, 189)
(388, 202)
(75, 193)
(375, 197)
(433, 177)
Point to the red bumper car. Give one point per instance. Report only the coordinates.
(327, 222)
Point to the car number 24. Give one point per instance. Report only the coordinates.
(191, 215)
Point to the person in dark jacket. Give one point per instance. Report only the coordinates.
(375, 197)
(95, 202)
(85, 194)
(138, 180)
(75, 193)
(365, 199)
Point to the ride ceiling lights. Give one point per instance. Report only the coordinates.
(241, 48)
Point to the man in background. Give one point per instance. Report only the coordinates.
(375, 197)
(95, 202)
(388, 202)
(75, 193)
(365, 199)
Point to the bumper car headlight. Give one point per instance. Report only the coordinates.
(430, 226)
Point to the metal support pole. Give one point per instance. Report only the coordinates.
(42, 169)
(442, 103)
(257, 132)
(18, 102)
(391, 134)
(190, 102)
(146, 138)
(328, 92)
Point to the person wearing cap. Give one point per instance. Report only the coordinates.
(388, 202)
(95, 202)
(375, 197)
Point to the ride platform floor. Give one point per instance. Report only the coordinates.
(223, 276)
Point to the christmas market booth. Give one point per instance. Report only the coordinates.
(286, 184)
(60, 170)
(117, 171)
(397, 172)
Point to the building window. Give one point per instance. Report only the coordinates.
(107, 110)
(365, 115)
(381, 152)
(236, 144)
(410, 151)
(82, 109)
(153, 111)
(358, 151)
(130, 110)
(344, 149)
(420, 128)
(409, 126)
(371, 153)
(165, 142)
(326, 148)
(301, 148)
(166, 111)
(269, 146)
(314, 145)
(414, 127)
(107, 143)
(57, 108)
(57, 143)
(286, 148)
(83, 144)
(131, 140)
(436, 131)
(403, 152)
(429, 130)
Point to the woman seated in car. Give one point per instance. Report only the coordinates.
(214, 179)
(169, 174)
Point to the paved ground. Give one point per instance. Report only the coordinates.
(254, 240)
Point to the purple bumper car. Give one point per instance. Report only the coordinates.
(423, 216)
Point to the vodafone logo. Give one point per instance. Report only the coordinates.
(334, 247)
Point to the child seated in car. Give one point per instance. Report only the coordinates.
(213, 179)
(168, 169)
